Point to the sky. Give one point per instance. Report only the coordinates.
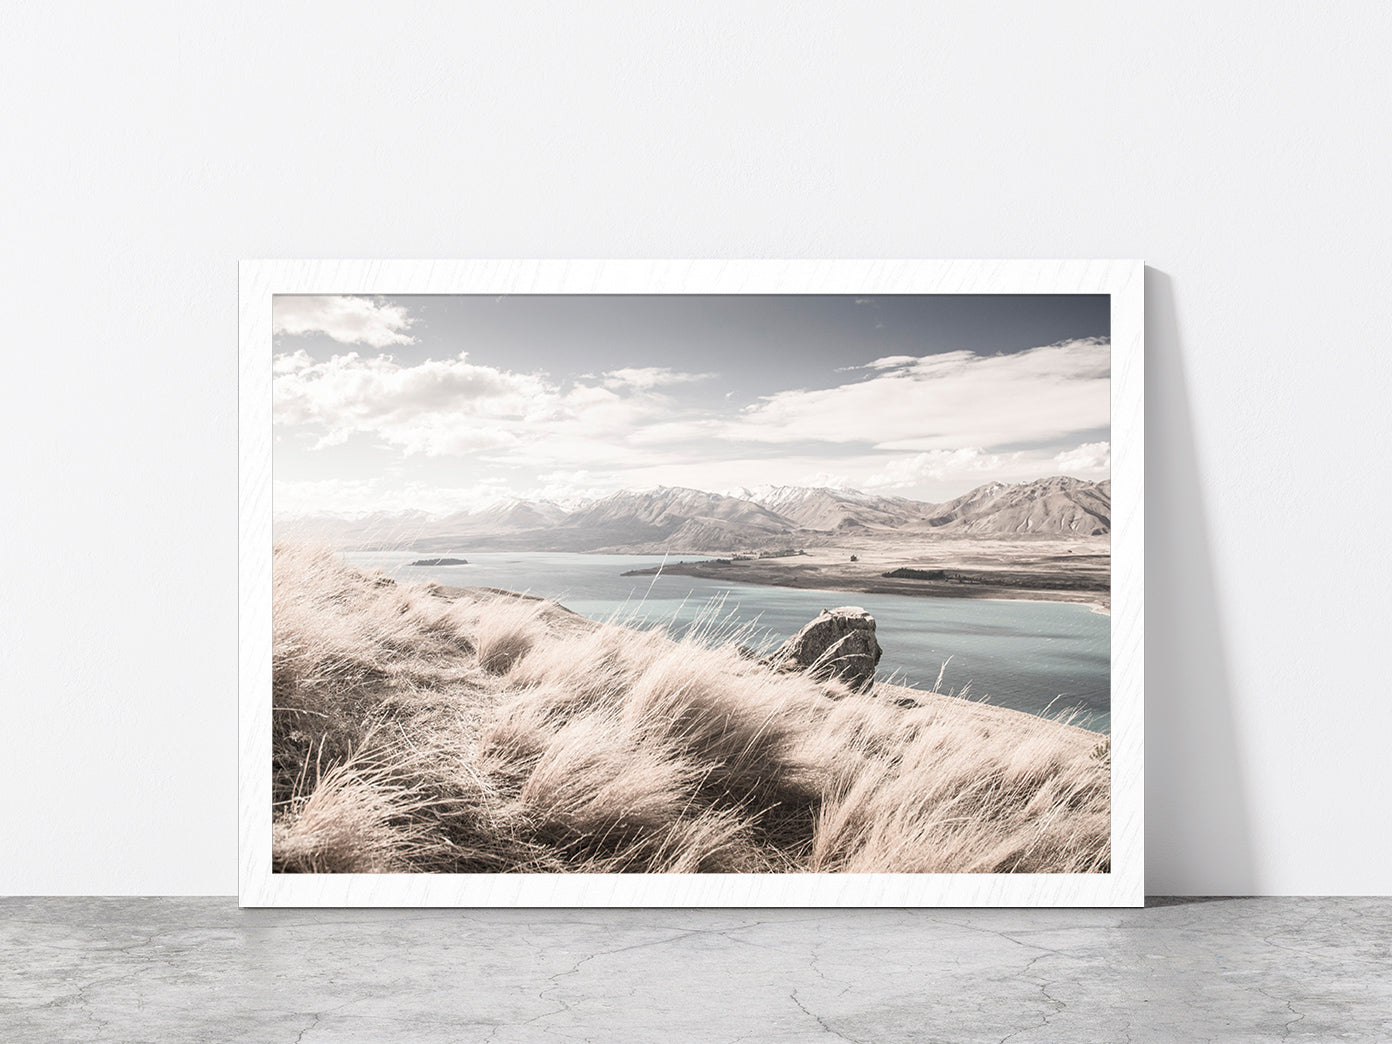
(445, 403)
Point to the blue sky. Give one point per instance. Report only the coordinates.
(446, 402)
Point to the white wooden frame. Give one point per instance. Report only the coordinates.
(259, 280)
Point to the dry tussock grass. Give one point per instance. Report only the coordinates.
(495, 733)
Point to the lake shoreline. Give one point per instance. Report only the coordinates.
(768, 573)
(1021, 653)
(888, 689)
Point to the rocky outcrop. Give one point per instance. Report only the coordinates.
(839, 643)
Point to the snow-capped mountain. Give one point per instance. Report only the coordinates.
(682, 520)
(824, 509)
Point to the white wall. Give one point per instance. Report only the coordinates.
(1242, 152)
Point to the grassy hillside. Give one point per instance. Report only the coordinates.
(488, 732)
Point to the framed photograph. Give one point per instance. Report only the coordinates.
(691, 583)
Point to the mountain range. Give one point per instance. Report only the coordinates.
(691, 521)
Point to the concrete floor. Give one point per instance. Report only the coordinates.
(174, 970)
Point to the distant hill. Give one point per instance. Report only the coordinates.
(1058, 505)
(676, 519)
(661, 513)
(498, 520)
(832, 510)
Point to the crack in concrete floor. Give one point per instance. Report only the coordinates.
(1239, 970)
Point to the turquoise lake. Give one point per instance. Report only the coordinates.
(1038, 657)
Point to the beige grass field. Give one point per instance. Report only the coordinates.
(418, 729)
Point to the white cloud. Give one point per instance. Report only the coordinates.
(645, 378)
(889, 362)
(906, 472)
(946, 401)
(1090, 457)
(355, 498)
(348, 320)
(436, 407)
(938, 470)
(292, 362)
(452, 407)
(824, 480)
(922, 427)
